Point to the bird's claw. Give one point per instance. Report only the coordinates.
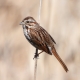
(36, 56)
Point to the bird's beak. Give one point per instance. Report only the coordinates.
(22, 23)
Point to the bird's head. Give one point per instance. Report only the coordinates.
(28, 21)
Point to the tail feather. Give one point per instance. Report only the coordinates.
(59, 59)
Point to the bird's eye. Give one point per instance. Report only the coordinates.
(27, 21)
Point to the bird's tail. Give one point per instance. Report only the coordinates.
(59, 59)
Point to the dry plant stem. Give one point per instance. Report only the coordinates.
(35, 69)
(40, 9)
(36, 54)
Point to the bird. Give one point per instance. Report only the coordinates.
(40, 38)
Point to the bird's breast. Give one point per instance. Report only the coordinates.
(26, 33)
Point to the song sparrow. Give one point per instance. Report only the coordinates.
(40, 38)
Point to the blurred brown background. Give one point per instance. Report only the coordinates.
(61, 18)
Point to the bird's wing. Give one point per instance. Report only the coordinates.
(52, 39)
(47, 37)
(37, 39)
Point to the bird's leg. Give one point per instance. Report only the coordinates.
(37, 54)
(40, 52)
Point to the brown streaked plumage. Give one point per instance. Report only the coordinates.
(40, 38)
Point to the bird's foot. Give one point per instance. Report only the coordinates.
(36, 56)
